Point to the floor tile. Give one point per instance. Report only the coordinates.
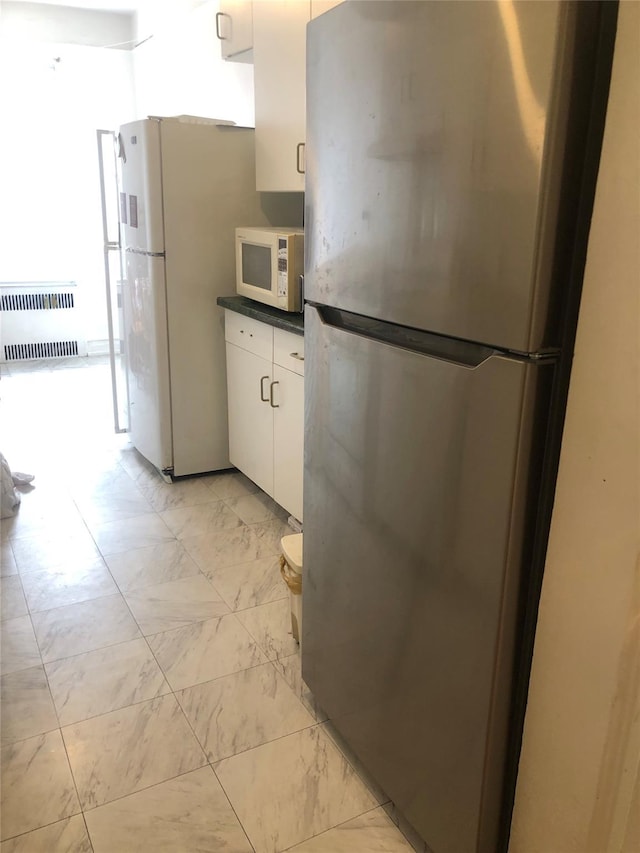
(267, 785)
(200, 520)
(204, 651)
(57, 587)
(231, 484)
(97, 510)
(82, 627)
(18, 649)
(43, 511)
(27, 707)
(35, 553)
(146, 566)
(372, 786)
(256, 508)
(189, 813)
(13, 600)
(135, 464)
(291, 670)
(104, 680)
(270, 626)
(98, 483)
(140, 532)
(37, 786)
(243, 710)
(154, 743)
(249, 584)
(163, 496)
(7, 560)
(65, 836)
(175, 604)
(226, 548)
(269, 534)
(373, 832)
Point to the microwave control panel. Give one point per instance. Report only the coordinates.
(283, 275)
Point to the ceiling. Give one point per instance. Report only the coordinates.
(103, 5)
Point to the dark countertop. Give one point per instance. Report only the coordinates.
(265, 313)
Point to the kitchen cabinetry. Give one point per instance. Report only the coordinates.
(250, 421)
(234, 29)
(279, 86)
(265, 387)
(279, 37)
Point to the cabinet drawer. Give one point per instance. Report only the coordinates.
(249, 334)
(288, 350)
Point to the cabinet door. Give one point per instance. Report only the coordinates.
(288, 439)
(250, 415)
(279, 39)
(234, 28)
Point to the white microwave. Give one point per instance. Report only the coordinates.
(269, 266)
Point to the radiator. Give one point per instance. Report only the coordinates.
(40, 320)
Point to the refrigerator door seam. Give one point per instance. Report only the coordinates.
(468, 354)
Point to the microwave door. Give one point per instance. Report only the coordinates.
(257, 265)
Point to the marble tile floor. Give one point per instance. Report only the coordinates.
(151, 693)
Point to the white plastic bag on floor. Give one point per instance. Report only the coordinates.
(10, 497)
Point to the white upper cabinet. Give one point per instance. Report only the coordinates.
(279, 30)
(272, 34)
(234, 28)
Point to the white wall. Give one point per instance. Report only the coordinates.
(179, 68)
(29, 22)
(50, 219)
(578, 786)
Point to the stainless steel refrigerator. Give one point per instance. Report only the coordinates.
(185, 184)
(452, 150)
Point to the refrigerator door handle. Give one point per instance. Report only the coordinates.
(463, 353)
(262, 396)
(271, 403)
(121, 154)
(110, 246)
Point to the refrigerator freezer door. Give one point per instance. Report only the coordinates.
(434, 151)
(414, 499)
(148, 358)
(141, 188)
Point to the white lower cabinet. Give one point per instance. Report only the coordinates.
(288, 440)
(265, 388)
(250, 419)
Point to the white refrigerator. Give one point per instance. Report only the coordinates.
(184, 185)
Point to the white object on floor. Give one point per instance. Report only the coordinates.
(10, 498)
(21, 479)
(291, 571)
